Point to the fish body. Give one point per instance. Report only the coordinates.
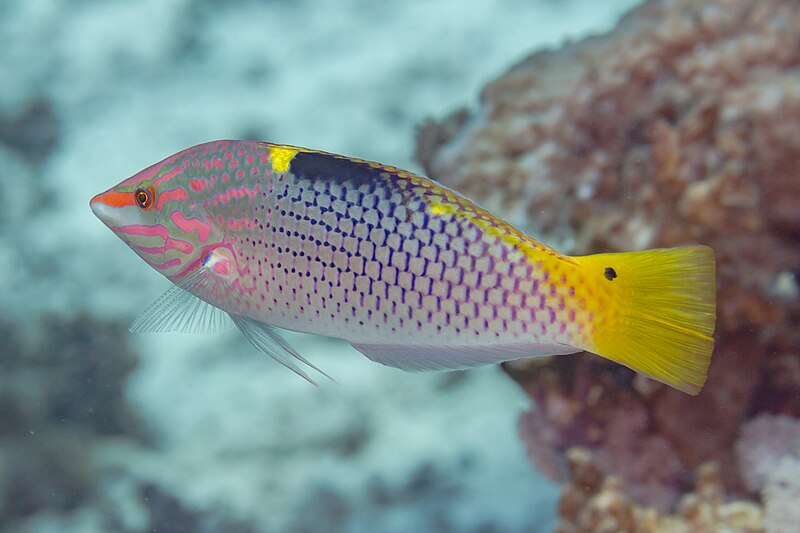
(408, 271)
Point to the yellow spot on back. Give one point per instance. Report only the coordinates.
(281, 157)
(439, 209)
(445, 203)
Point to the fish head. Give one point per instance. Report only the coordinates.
(157, 214)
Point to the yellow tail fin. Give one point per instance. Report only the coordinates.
(657, 312)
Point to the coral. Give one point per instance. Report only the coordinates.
(682, 125)
(769, 457)
(616, 425)
(61, 388)
(596, 502)
(33, 132)
(764, 441)
(165, 512)
(781, 494)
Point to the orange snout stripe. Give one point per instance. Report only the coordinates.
(114, 199)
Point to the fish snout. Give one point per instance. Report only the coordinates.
(99, 207)
(107, 206)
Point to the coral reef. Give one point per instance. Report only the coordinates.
(594, 502)
(781, 494)
(165, 512)
(680, 126)
(47, 429)
(768, 450)
(33, 132)
(764, 441)
(62, 398)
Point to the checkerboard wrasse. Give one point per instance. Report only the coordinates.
(409, 272)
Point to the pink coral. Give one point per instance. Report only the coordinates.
(680, 126)
(781, 495)
(616, 425)
(764, 441)
(594, 502)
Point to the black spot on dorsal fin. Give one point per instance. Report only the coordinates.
(338, 169)
(610, 273)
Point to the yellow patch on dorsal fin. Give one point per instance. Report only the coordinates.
(444, 203)
(281, 156)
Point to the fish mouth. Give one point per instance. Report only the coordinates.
(96, 200)
(107, 205)
(101, 209)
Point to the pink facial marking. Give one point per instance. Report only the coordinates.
(167, 264)
(199, 185)
(172, 194)
(234, 163)
(178, 244)
(237, 224)
(171, 244)
(250, 159)
(168, 176)
(147, 231)
(150, 171)
(155, 250)
(218, 162)
(188, 225)
(228, 155)
(237, 192)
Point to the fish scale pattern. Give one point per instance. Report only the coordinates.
(382, 254)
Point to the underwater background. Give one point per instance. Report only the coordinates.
(679, 124)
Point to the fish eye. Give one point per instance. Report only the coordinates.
(144, 197)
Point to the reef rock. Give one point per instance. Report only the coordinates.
(682, 125)
(593, 502)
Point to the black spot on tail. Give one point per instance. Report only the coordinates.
(610, 273)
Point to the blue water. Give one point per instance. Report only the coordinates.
(104, 431)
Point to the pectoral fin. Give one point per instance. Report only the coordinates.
(180, 311)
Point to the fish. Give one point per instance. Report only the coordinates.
(271, 237)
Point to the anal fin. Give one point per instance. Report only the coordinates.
(415, 358)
